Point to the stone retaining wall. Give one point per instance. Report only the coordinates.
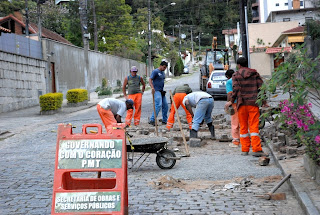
(21, 81)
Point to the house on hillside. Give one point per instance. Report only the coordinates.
(231, 37)
(14, 23)
(263, 36)
(261, 9)
(301, 15)
(286, 42)
(291, 37)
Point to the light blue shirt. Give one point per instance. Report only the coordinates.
(229, 87)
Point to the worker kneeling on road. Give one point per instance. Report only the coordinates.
(111, 110)
(203, 102)
(178, 95)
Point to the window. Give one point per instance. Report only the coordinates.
(301, 3)
(286, 4)
(277, 4)
(286, 19)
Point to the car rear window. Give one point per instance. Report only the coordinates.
(218, 74)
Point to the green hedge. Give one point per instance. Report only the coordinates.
(51, 101)
(77, 95)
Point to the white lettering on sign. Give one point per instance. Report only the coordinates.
(93, 201)
(89, 144)
(90, 153)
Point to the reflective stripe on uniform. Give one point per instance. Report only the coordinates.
(244, 135)
(254, 134)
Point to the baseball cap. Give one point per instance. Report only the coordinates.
(129, 101)
(133, 69)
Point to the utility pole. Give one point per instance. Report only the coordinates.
(242, 4)
(247, 35)
(39, 20)
(95, 36)
(199, 43)
(192, 60)
(27, 18)
(149, 38)
(179, 37)
(85, 36)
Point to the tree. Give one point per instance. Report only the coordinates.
(52, 16)
(115, 26)
(71, 24)
(173, 58)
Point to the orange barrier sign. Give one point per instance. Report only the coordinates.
(87, 153)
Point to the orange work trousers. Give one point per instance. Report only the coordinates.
(235, 127)
(249, 119)
(137, 99)
(178, 98)
(106, 116)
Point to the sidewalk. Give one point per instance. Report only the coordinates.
(306, 190)
(16, 121)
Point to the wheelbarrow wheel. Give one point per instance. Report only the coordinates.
(162, 159)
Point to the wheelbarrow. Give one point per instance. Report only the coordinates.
(165, 159)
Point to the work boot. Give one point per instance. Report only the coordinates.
(211, 129)
(193, 133)
(260, 154)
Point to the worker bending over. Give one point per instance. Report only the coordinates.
(178, 95)
(111, 110)
(203, 102)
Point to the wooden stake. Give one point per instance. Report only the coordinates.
(155, 115)
(182, 133)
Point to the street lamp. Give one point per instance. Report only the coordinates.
(149, 32)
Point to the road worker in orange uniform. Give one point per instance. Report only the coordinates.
(246, 83)
(111, 110)
(134, 93)
(178, 95)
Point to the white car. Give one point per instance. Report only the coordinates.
(216, 85)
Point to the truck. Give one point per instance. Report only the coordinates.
(216, 59)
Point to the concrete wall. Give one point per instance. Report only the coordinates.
(262, 62)
(21, 81)
(70, 67)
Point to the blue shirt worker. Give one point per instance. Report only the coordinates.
(156, 82)
(203, 102)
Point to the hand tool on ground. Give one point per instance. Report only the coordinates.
(275, 196)
(182, 133)
(155, 115)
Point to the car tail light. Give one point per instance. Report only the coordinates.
(209, 85)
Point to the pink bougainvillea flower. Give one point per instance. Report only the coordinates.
(289, 122)
(317, 139)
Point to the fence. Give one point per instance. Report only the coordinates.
(21, 45)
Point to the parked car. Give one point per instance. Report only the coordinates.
(216, 85)
(186, 69)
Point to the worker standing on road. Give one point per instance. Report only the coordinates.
(111, 110)
(134, 93)
(203, 102)
(246, 83)
(156, 82)
(178, 95)
(235, 127)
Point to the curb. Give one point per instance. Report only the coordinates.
(304, 200)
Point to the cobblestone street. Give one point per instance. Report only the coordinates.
(195, 185)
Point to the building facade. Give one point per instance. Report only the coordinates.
(261, 9)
